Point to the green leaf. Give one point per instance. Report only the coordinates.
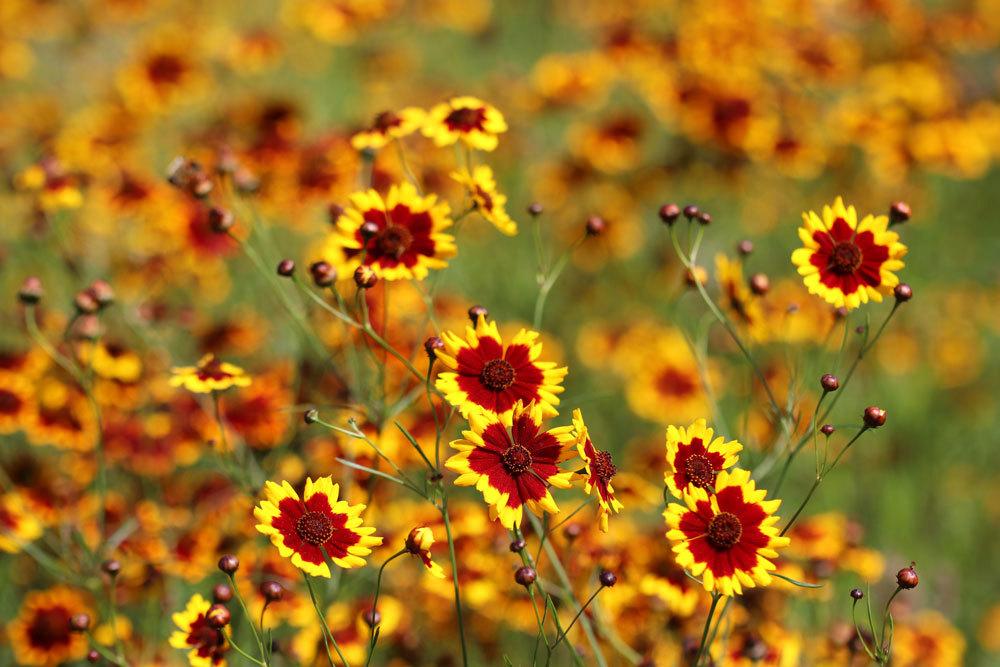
(794, 582)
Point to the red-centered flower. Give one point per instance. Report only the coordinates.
(490, 377)
(208, 645)
(598, 471)
(512, 466)
(726, 538)
(303, 529)
(846, 262)
(694, 457)
(40, 634)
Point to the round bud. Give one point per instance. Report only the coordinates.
(334, 211)
(691, 211)
(827, 429)
(907, 578)
(899, 212)
(704, 218)
(518, 545)
(874, 416)
(323, 274)
(31, 291)
(525, 576)
(222, 593)
(744, 247)
(85, 303)
(79, 622)
(829, 382)
(607, 578)
(86, 327)
(841, 312)
(371, 617)
(364, 277)
(111, 567)
(596, 225)
(368, 230)
(572, 530)
(432, 345)
(535, 209)
(229, 563)
(286, 268)
(669, 213)
(759, 284)
(476, 311)
(902, 292)
(857, 593)
(220, 220)
(311, 416)
(245, 181)
(93, 656)
(102, 293)
(218, 616)
(272, 591)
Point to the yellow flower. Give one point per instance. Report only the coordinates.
(17, 526)
(40, 634)
(208, 644)
(209, 375)
(696, 456)
(473, 121)
(927, 639)
(489, 201)
(419, 543)
(598, 471)
(387, 126)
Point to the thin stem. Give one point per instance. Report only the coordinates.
(373, 639)
(704, 633)
(857, 628)
(249, 618)
(569, 627)
(550, 280)
(454, 578)
(885, 621)
(328, 637)
(105, 653)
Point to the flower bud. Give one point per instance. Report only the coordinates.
(79, 623)
(535, 209)
(902, 292)
(827, 429)
(595, 225)
(669, 213)
(31, 291)
(323, 274)
(907, 577)
(518, 545)
(222, 593)
(899, 212)
(335, 211)
(829, 382)
(220, 220)
(857, 593)
(368, 230)
(102, 293)
(572, 530)
(608, 578)
(525, 576)
(476, 311)
(759, 284)
(432, 345)
(86, 327)
(364, 277)
(704, 218)
(272, 591)
(744, 247)
(286, 268)
(691, 211)
(111, 567)
(229, 563)
(311, 416)
(371, 617)
(218, 616)
(85, 303)
(874, 416)
(93, 656)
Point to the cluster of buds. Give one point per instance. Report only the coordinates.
(187, 175)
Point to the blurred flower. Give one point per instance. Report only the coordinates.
(927, 639)
(209, 375)
(40, 633)
(489, 201)
(473, 121)
(17, 524)
(387, 126)
(208, 644)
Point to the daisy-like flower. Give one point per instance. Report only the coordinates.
(17, 525)
(210, 374)
(490, 202)
(694, 457)
(726, 538)
(387, 126)
(512, 466)
(16, 401)
(40, 634)
(598, 471)
(303, 529)
(207, 645)
(473, 121)
(847, 262)
(490, 377)
(409, 240)
(418, 543)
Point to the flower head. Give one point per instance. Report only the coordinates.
(598, 471)
(303, 529)
(512, 466)
(726, 537)
(473, 121)
(408, 238)
(40, 634)
(491, 377)
(418, 543)
(387, 126)
(490, 202)
(208, 644)
(210, 374)
(17, 525)
(845, 261)
(695, 458)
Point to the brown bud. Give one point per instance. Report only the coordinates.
(691, 211)
(857, 593)
(476, 311)
(899, 212)
(222, 593)
(368, 230)
(829, 382)
(902, 292)
(218, 616)
(272, 591)
(31, 291)
(102, 293)
(85, 303)
(334, 212)
(311, 416)
(371, 617)
(364, 277)
(79, 623)
(86, 327)
(286, 268)
(535, 209)
(907, 577)
(572, 530)
(704, 218)
(608, 578)
(323, 273)
(220, 220)
(827, 429)
(111, 567)
(669, 213)
(759, 284)
(432, 345)
(245, 181)
(229, 563)
(525, 576)
(595, 225)
(874, 416)
(744, 247)
(93, 656)
(518, 545)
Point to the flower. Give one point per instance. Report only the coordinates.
(208, 645)
(489, 200)
(927, 639)
(418, 543)
(598, 471)
(695, 458)
(408, 241)
(387, 126)
(209, 375)
(473, 121)
(40, 634)
(492, 378)
(302, 529)
(726, 538)
(847, 262)
(16, 402)
(512, 466)
(17, 526)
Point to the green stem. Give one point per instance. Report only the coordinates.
(569, 627)
(704, 633)
(373, 639)
(454, 579)
(249, 618)
(328, 638)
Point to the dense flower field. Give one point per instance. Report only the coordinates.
(374, 332)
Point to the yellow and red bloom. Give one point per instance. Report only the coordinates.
(418, 543)
(40, 634)
(927, 639)
(512, 466)
(409, 241)
(726, 537)
(210, 374)
(491, 377)
(599, 469)
(694, 457)
(17, 526)
(16, 402)
(847, 262)
(303, 529)
(387, 126)
(208, 644)
(489, 201)
(473, 121)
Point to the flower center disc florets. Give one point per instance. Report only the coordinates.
(845, 258)
(699, 471)
(314, 528)
(724, 530)
(497, 375)
(386, 120)
(516, 459)
(394, 240)
(604, 467)
(464, 118)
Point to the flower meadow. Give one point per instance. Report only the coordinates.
(374, 332)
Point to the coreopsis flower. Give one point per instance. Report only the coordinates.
(695, 456)
(210, 374)
(512, 466)
(473, 121)
(847, 262)
(303, 529)
(40, 634)
(408, 239)
(490, 202)
(927, 639)
(598, 471)
(487, 376)
(418, 543)
(740, 303)
(56, 188)
(728, 537)
(387, 126)
(207, 644)
(16, 401)
(17, 525)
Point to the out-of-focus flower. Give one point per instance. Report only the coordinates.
(927, 639)
(207, 644)
(489, 201)
(17, 525)
(40, 634)
(209, 375)
(389, 125)
(468, 119)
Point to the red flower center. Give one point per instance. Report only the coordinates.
(497, 375)
(699, 471)
(516, 459)
(393, 241)
(845, 258)
(165, 68)
(465, 119)
(724, 530)
(603, 467)
(386, 121)
(9, 402)
(212, 371)
(49, 628)
(314, 528)
(486, 201)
